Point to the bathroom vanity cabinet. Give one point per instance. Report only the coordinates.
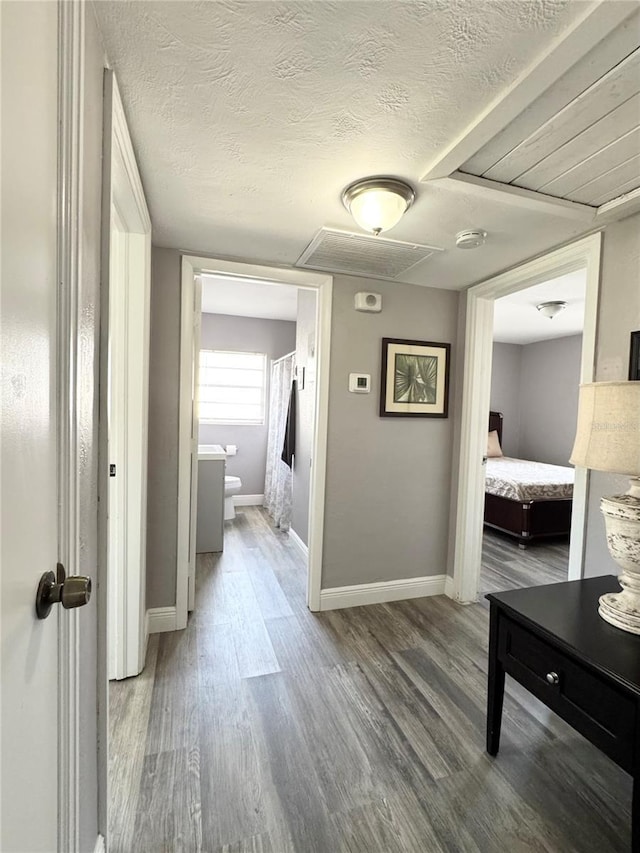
(210, 518)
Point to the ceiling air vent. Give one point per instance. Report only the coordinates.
(359, 254)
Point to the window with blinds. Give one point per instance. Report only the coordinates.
(233, 387)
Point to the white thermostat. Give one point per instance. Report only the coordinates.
(368, 301)
(360, 383)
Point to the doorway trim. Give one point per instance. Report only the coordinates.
(583, 254)
(323, 285)
(126, 226)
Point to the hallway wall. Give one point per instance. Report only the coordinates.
(164, 386)
(618, 316)
(388, 479)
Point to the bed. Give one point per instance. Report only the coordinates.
(528, 500)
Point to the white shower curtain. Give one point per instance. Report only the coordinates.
(277, 485)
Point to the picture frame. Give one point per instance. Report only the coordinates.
(414, 379)
(634, 357)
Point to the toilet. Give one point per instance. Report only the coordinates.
(232, 486)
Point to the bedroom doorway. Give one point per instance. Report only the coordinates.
(470, 479)
(535, 376)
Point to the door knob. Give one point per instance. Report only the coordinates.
(73, 591)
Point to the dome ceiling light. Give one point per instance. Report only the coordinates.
(551, 309)
(377, 204)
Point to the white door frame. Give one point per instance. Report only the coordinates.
(584, 253)
(127, 228)
(323, 285)
(196, 329)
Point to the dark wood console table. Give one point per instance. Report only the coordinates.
(552, 640)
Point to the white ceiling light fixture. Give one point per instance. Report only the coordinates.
(471, 238)
(377, 204)
(551, 309)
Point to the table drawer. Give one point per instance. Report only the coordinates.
(595, 707)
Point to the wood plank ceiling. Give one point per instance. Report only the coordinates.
(580, 140)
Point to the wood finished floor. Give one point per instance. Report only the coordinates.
(506, 566)
(263, 728)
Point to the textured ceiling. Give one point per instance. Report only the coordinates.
(248, 298)
(516, 321)
(249, 118)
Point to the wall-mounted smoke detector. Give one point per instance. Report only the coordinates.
(470, 239)
(551, 309)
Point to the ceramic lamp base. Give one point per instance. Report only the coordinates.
(622, 521)
(621, 610)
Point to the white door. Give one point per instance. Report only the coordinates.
(44, 423)
(29, 447)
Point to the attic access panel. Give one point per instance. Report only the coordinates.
(362, 255)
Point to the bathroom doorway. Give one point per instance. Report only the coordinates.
(221, 332)
(256, 400)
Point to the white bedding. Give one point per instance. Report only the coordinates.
(522, 480)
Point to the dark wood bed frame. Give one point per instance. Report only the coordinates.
(526, 520)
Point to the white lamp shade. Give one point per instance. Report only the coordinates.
(608, 431)
(377, 209)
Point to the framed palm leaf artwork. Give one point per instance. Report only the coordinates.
(415, 379)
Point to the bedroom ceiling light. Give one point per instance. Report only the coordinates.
(377, 204)
(608, 439)
(551, 309)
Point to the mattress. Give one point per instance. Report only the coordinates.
(522, 480)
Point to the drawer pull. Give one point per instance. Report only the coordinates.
(553, 678)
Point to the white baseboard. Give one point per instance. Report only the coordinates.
(99, 848)
(297, 541)
(448, 586)
(381, 592)
(162, 619)
(248, 500)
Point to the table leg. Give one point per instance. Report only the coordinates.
(495, 688)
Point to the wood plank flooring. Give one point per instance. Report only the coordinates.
(264, 728)
(506, 566)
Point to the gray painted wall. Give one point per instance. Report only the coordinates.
(388, 479)
(506, 368)
(164, 378)
(618, 316)
(388, 489)
(549, 399)
(274, 337)
(536, 388)
(305, 411)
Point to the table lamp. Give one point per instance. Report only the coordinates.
(608, 439)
